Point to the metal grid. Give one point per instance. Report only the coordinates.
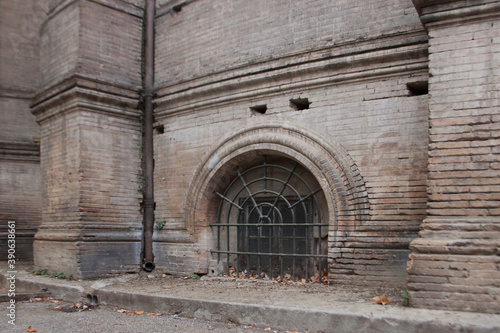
(268, 227)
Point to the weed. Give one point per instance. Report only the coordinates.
(160, 224)
(406, 298)
(42, 272)
(194, 276)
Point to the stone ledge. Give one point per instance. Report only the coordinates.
(432, 11)
(20, 151)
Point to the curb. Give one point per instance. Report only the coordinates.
(358, 319)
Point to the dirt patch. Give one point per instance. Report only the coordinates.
(300, 295)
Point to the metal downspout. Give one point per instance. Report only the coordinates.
(148, 201)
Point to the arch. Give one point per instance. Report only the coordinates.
(331, 165)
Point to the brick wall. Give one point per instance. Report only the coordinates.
(20, 197)
(208, 81)
(455, 262)
(208, 37)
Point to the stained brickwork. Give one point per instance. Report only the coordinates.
(20, 183)
(456, 255)
(406, 169)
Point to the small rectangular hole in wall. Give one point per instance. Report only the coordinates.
(178, 8)
(418, 88)
(300, 103)
(261, 109)
(160, 129)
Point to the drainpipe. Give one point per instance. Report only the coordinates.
(148, 203)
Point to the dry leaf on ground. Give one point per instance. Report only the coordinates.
(139, 312)
(382, 299)
(31, 329)
(121, 311)
(155, 314)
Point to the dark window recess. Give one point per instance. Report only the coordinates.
(259, 108)
(178, 8)
(258, 235)
(418, 88)
(160, 129)
(300, 103)
(266, 234)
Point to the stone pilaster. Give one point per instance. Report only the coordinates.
(90, 139)
(455, 262)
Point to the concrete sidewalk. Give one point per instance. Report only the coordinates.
(302, 314)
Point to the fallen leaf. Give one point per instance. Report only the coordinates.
(151, 276)
(249, 326)
(130, 314)
(85, 307)
(267, 329)
(382, 299)
(155, 314)
(121, 311)
(139, 312)
(31, 329)
(57, 308)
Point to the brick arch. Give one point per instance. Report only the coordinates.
(331, 165)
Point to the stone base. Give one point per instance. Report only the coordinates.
(24, 247)
(455, 264)
(87, 260)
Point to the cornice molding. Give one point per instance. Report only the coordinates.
(80, 91)
(434, 11)
(344, 63)
(71, 231)
(16, 93)
(124, 7)
(20, 151)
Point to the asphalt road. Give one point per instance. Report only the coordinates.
(42, 317)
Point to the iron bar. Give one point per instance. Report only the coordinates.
(249, 193)
(292, 172)
(228, 200)
(305, 255)
(305, 198)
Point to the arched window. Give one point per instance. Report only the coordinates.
(269, 222)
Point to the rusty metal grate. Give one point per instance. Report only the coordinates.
(269, 224)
